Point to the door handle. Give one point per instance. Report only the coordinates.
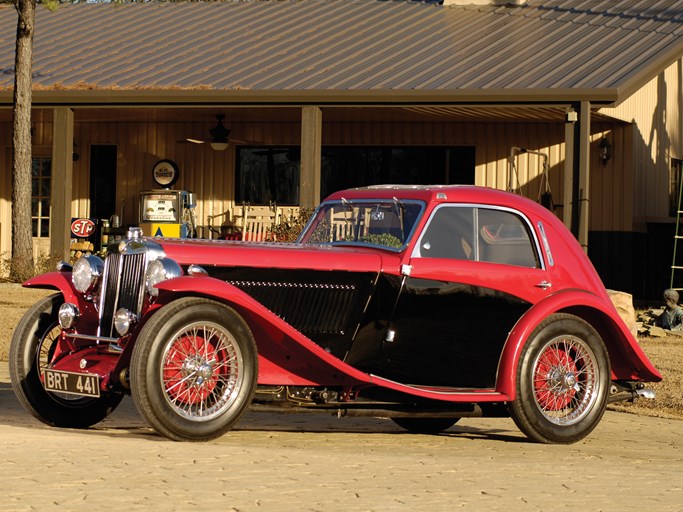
(544, 285)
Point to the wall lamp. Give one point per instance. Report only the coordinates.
(605, 151)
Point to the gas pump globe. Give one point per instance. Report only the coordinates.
(165, 212)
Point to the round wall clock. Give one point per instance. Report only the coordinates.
(165, 173)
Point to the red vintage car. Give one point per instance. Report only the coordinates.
(424, 304)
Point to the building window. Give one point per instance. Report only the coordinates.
(675, 185)
(268, 175)
(271, 174)
(346, 167)
(41, 174)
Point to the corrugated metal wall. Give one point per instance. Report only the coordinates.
(655, 111)
(210, 174)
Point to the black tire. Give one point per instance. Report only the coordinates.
(33, 343)
(194, 369)
(425, 425)
(563, 380)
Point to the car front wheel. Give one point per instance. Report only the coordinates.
(33, 345)
(194, 369)
(563, 379)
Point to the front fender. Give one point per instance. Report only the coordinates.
(286, 356)
(627, 359)
(57, 281)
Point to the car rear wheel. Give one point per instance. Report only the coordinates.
(425, 425)
(563, 379)
(33, 344)
(194, 369)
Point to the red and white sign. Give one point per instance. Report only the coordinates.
(82, 228)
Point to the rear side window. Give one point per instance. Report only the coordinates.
(479, 234)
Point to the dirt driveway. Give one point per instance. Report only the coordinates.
(320, 463)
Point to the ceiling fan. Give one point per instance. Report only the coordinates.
(220, 136)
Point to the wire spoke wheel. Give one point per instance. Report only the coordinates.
(34, 344)
(563, 378)
(194, 369)
(201, 372)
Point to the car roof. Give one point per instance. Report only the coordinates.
(437, 193)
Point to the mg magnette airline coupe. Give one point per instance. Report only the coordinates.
(423, 304)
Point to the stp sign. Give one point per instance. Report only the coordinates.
(82, 228)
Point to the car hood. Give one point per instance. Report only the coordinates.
(221, 253)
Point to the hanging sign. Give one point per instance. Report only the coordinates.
(82, 228)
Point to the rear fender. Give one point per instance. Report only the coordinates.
(286, 356)
(627, 359)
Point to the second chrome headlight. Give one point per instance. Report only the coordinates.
(158, 271)
(87, 273)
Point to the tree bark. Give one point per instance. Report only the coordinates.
(22, 233)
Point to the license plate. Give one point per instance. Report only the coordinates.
(81, 384)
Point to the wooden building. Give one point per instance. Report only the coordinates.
(323, 94)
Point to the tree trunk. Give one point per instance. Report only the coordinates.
(22, 233)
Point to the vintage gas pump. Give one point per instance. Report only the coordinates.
(165, 212)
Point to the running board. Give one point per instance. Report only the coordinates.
(441, 393)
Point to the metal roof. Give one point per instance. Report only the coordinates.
(345, 51)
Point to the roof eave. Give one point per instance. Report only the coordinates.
(206, 97)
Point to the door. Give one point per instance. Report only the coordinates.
(475, 272)
(102, 181)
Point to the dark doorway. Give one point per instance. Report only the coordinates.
(102, 181)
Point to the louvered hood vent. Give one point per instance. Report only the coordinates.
(312, 308)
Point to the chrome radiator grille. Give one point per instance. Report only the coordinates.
(123, 286)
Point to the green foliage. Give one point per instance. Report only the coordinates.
(385, 239)
(289, 229)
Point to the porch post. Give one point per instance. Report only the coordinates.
(584, 172)
(311, 141)
(62, 181)
(577, 171)
(570, 145)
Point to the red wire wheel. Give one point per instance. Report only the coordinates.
(201, 367)
(563, 381)
(565, 378)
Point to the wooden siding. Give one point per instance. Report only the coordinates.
(210, 174)
(655, 112)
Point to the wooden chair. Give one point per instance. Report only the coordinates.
(343, 226)
(257, 223)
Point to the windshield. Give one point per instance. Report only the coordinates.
(387, 223)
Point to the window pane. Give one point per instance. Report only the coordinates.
(44, 227)
(449, 234)
(268, 174)
(346, 167)
(504, 238)
(34, 208)
(47, 167)
(34, 224)
(45, 207)
(45, 187)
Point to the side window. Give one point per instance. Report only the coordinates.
(501, 237)
(504, 238)
(449, 234)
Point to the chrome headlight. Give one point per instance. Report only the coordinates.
(158, 271)
(87, 274)
(124, 320)
(68, 315)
